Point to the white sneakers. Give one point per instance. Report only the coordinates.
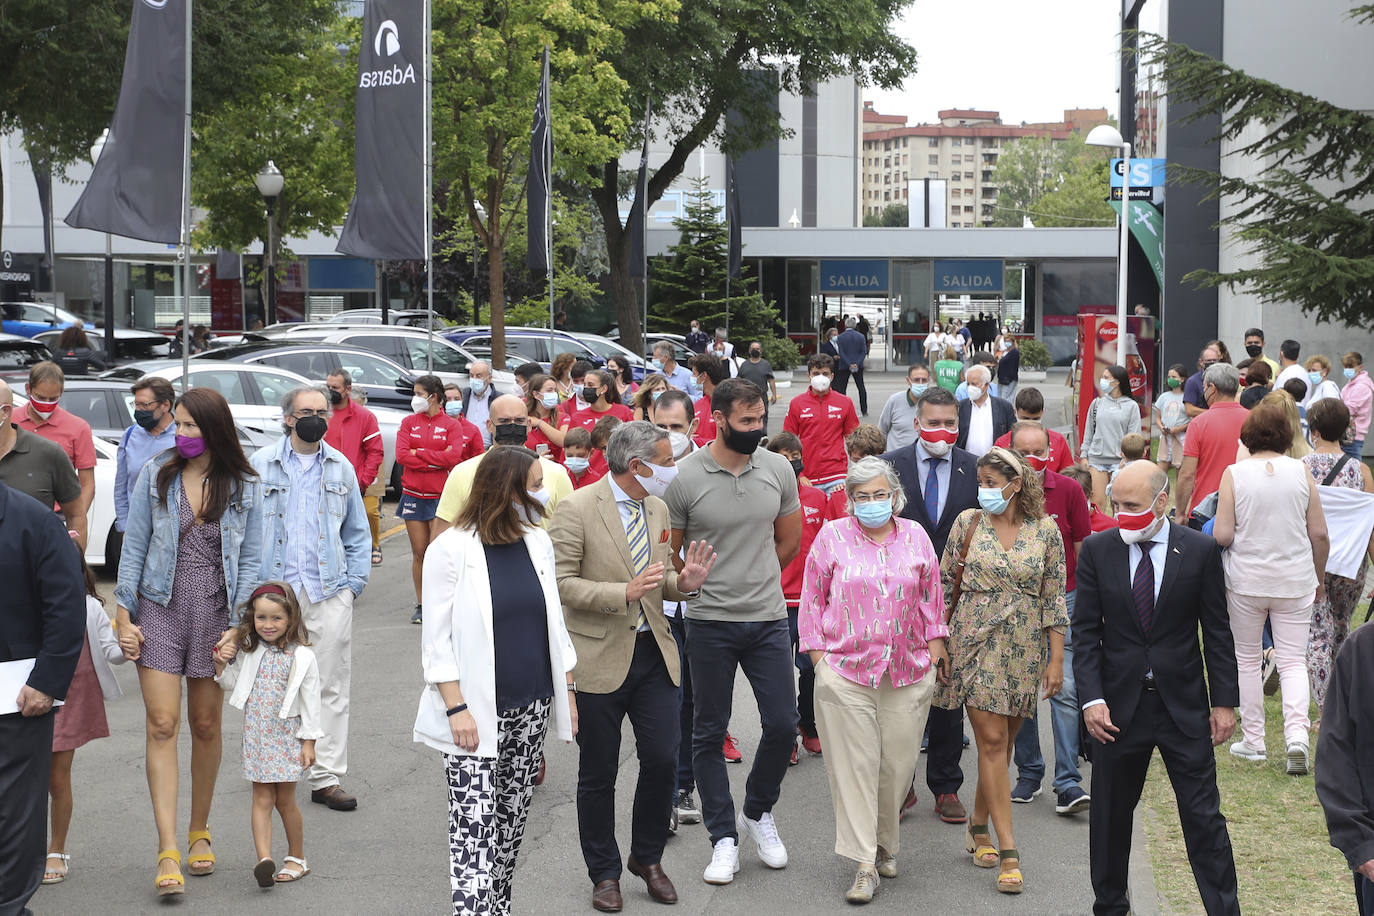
(724, 862)
(1297, 764)
(725, 856)
(1246, 752)
(765, 833)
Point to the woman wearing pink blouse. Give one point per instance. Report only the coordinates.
(872, 608)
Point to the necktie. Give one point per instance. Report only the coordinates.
(933, 490)
(638, 535)
(1143, 588)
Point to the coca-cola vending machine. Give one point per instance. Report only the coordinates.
(1098, 340)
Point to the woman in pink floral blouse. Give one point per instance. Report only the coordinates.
(872, 619)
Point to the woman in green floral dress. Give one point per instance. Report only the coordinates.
(1006, 642)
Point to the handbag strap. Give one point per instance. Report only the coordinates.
(959, 568)
(1326, 481)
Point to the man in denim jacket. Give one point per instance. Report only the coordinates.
(315, 537)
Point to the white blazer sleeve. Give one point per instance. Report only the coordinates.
(442, 580)
(309, 702)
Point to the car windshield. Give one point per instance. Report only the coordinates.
(22, 355)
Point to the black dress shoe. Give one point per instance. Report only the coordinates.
(336, 798)
(660, 888)
(606, 896)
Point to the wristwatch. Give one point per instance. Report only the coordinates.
(454, 710)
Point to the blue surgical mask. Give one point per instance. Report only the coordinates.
(477, 385)
(918, 389)
(656, 393)
(874, 514)
(453, 408)
(576, 465)
(1105, 385)
(992, 500)
(656, 363)
(549, 399)
(1314, 377)
(1348, 372)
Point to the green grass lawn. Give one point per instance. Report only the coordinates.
(1284, 861)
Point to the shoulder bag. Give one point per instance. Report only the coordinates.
(959, 569)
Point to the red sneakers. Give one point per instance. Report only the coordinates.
(811, 744)
(731, 749)
(910, 802)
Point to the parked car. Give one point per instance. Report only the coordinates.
(414, 318)
(386, 383)
(606, 348)
(407, 347)
(131, 344)
(29, 318)
(530, 343)
(18, 353)
(680, 352)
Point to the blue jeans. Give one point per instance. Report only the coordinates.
(763, 651)
(685, 780)
(1355, 449)
(1030, 764)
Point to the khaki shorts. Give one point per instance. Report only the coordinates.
(1171, 449)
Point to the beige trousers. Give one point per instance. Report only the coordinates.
(871, 737)
(330, 623)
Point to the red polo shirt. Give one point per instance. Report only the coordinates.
(821, 423)
(1060, 456)
(813, 518)
(1213, 439)
(67, 430)
(706, 424)
(1066, 504)
(587, 418)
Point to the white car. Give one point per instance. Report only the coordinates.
(103, 542)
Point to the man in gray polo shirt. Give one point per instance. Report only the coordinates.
(39, 468)
(744, 502)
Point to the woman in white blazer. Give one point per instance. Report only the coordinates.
(498, 666)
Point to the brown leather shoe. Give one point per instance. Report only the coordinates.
(543, 769)
(950, 809)
(606, 896)
(334, 797)
(660, 888)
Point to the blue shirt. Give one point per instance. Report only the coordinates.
(136, 448)
(301, 562)
(923, 464)
(681, 378)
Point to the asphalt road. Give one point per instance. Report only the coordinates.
(391, 854)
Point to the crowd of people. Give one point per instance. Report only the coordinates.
(591, 549)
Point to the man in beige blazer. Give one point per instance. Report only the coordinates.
(615, 568)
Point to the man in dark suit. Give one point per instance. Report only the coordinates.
(615, 569)
(940, 481)
(42, 622)
(983, 419)
(1143, 591)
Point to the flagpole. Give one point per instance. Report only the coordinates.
(186, 219)
(429, 190)
(548, 197)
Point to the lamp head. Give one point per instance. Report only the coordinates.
(1105, 135)
(270, 181)
(98, 146)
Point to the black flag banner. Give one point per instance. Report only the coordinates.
(135, 188)
(539, 192)
(638, 223)
(733, 218)
(386, 221)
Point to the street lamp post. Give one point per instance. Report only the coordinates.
(1108, 136)
(476, 269)
(97, 148)
(270, 183)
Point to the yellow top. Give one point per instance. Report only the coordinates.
(459, 485)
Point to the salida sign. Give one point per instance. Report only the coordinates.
(858, 277)
(967, 275)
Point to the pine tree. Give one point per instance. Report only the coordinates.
(1307, 216)
(690, 283)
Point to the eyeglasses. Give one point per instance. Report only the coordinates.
(509, 421)
(878, 497)
(307, 412)
(146, 405)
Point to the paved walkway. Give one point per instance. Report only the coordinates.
(391, 854)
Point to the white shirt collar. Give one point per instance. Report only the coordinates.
(618, 494)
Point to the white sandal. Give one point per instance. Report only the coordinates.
(58, 879)
(286, 877)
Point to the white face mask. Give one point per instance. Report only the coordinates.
(419, 404)
(975, 393)
(820, 383)
(657, 483)
(680, 442)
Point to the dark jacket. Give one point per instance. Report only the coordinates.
(828, 348)
(1345, 750)
(852, 347)
(1003, 419)
(45, 596)
(1111, 653)
(963, 491)
(1009, 367)
(467, 397)
(80, 361)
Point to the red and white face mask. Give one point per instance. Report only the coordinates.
(938, 440)
(1037, 463)
(1138, 526)
(43, 408)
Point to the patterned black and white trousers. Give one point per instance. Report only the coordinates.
(488, 799)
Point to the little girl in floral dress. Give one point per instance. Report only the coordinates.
(277, 685)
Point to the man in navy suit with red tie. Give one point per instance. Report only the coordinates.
(1144, 590)
(940, 480)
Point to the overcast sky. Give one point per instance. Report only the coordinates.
(1028, 60)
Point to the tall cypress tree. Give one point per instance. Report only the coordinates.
(690, 283)
(1307, 215)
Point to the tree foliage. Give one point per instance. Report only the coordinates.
(1306, 217)
(893, 215)
(691, 282)
(1054, 182)
(713, 58)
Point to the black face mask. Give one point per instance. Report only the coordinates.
(145, 418)
(311, 429)
(590, 395)
(738, 440)
(755, 354)
(1254, 350)
(797, 466)
(335, 397)
(509, 434)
